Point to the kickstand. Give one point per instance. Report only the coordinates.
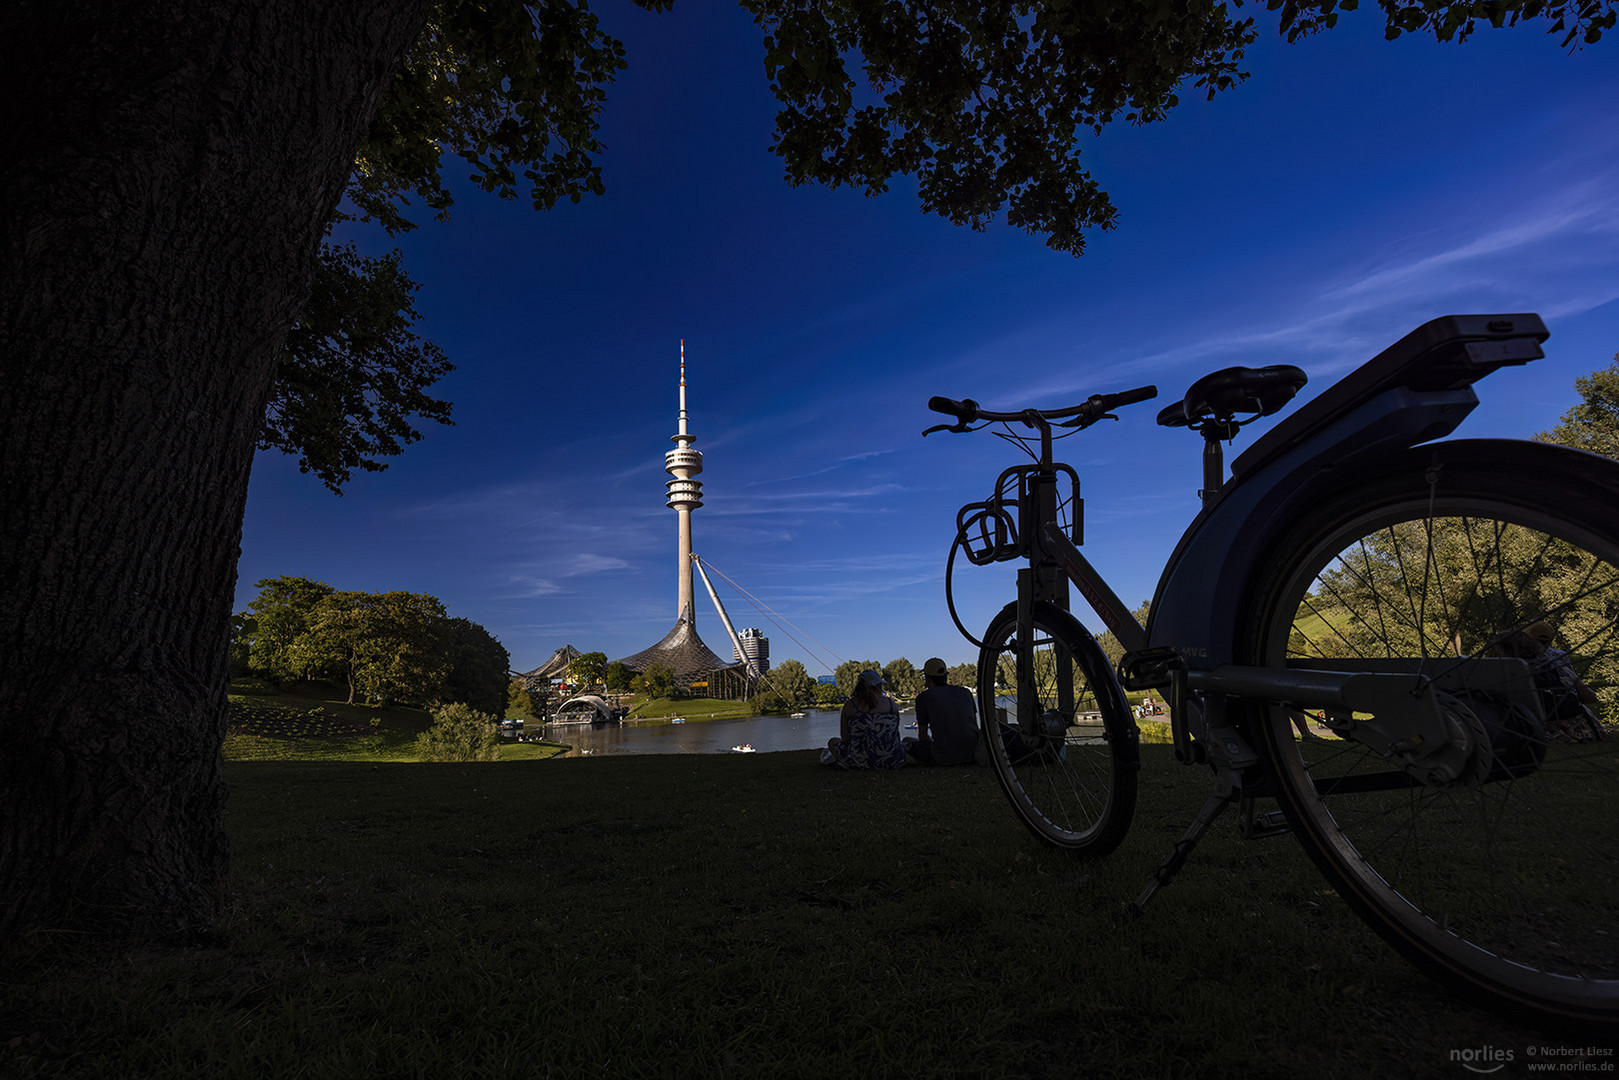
(1212, 809)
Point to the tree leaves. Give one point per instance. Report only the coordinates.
(509, 87)
(352, 372)
(1580, 21)
(1593, 423)
(984, 102)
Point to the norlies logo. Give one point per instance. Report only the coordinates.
(1483, 1059)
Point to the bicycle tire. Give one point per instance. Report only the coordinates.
(1072, 784)
(1501, 884)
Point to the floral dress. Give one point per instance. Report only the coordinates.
(874, 743)
(1566, 719)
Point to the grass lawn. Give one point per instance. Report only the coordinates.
(304, 722)
(729, 916)
(691, 708)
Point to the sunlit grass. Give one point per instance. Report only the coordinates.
(690, 708)
(301, 723)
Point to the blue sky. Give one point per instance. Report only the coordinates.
(1350, 190)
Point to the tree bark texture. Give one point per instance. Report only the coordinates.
(166, 173)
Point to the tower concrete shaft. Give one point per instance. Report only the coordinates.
(685, 495)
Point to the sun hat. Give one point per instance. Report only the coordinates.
(1540, 632)
(935, 668)
(871, 678)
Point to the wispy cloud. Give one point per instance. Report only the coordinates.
(850, 459)
(1559, 255)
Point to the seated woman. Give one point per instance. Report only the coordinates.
(870, 729)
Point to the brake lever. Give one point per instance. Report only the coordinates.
(961, 427)
(1083, 422)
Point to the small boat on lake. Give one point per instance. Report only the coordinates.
(745, 748)
(798, 716)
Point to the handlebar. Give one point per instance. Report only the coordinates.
(1094, 408)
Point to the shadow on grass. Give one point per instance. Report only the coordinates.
(729, 916)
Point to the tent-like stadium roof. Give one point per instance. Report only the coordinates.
(682, 652)
(557, 665)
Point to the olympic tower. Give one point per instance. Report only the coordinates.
(685, 495)
(682, 651)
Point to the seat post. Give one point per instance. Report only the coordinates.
(1214, 431)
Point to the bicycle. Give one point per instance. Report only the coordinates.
(1355, 568)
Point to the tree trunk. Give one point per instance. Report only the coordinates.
(167, 173)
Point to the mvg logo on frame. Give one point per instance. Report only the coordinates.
(1482, 1059)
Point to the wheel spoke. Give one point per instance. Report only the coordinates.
(1505, 886)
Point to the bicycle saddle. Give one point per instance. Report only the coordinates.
(1221, 395)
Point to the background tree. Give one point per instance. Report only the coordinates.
(1593, 424)
(243, 629)
(1362, 605)
(172, 168)
(828, 694)
(387, 646)
(520, 700)
(1111, 646)
(280, 615)
(659, 681)
(964, 675)
(847, 672)
(480, 667)
(588, 669)
(903, 678)
(315, 631)
(617, 676)
(460, 733)
(1006, 672)
(788, 683)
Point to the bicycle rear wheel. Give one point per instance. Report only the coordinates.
(1503, 883)
(1060, 736)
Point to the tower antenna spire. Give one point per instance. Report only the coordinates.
(682, 386)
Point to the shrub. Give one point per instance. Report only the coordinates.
(460, 733)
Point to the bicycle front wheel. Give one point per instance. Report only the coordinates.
(1059, 732)
(1504, 881)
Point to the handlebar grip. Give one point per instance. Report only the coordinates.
(963, 411)
(1130, 397)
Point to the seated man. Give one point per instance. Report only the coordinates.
(946, 721)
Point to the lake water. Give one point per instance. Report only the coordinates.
(766, 733)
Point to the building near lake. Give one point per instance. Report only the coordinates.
(753, 647)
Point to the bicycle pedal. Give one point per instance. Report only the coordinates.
(1149, 669)
(1262, 826)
